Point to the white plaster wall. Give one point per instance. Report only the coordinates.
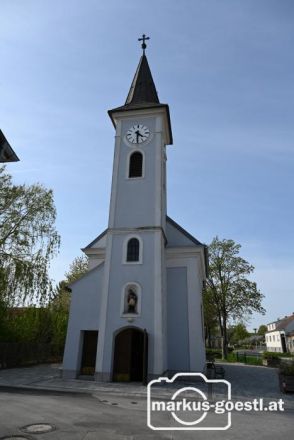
(275, 343)
(84, 315)
(150, 280)
(177, 320)
(139, 202)
(94, 261)
(193, 266)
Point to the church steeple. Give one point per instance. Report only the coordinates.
(143, 96)
(142, 90)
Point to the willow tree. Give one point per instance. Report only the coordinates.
(28, 240)
(228, 288)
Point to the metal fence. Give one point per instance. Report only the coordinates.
(248, 357)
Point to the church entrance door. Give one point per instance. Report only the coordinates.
(130, 356)
(89, 352)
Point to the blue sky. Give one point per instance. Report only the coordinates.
(226, 70)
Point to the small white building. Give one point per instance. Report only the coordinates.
(137, 313)
(278, 337)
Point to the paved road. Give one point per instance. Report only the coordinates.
(253, 381)
(85, 417)
(91, 411)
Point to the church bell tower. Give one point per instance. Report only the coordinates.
(135, 258)
(137, 313)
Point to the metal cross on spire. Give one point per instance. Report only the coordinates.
(143, 39)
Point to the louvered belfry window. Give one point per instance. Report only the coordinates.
(136, 164)
(133, 250)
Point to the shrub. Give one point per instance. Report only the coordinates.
(287, 369)
(271, 355)
(213, 352)
(244, 358)
(232, 357)
(253, 360)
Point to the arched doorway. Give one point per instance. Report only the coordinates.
(130, 355)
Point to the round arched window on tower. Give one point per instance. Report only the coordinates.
(133, 250)
(136, 165)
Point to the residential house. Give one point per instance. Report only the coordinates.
(280, 335)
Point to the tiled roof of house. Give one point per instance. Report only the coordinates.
(284, 324)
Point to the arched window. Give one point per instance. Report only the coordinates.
(133, 250)
(136, 165)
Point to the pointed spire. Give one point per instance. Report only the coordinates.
(142, 89)
(142, 94)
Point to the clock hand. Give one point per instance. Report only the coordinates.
(138, 134)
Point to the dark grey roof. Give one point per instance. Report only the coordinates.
(176, 225)
(283, 324)
(142, 94)
(193, 239)
(6, 152)
(95, 240)
(142, 88)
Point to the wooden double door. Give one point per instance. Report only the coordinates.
(130, 356)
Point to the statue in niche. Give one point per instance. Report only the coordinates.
(132, 301)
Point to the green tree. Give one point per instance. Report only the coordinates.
(61, 295)
(238, 332)
(232, 293)
(60, 302)
(262, 330)
(28, 240)
(30, 324)
(210, 318)
(77, 269)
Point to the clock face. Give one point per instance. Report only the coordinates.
(138, 134)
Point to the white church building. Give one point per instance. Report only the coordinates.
(137, 313)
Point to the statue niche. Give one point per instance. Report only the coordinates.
(131, 301)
